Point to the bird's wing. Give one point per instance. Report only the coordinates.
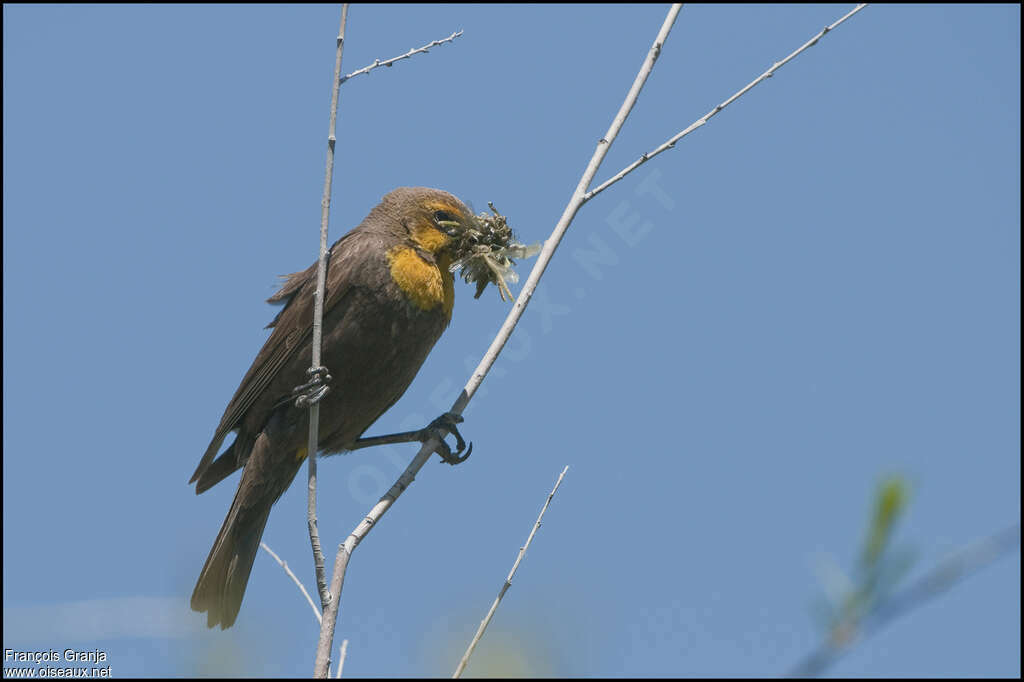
(292, 329)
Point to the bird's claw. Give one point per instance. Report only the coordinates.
(313, 390)
(448, 422)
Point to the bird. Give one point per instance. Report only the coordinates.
(389, 297)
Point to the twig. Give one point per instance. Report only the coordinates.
(388, 62)
(355, 537)
(295, 579)
(579, 197)
(341, 657)
(508, 581)
(328, 598)
(406, 478)
(704, 119)
(318, 314)
(968, 560)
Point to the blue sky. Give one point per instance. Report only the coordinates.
(827, 291)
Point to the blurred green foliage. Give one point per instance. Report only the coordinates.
(881, 567)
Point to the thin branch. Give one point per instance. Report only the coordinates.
(295, 579)
(968, 560)
(508, 581)
(352, 541)
(406, 478)
(341, 657)
(329, 598)
(704, 119)
(318, 314)
(579, 197)
(388, 62)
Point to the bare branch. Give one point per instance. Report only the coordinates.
(968, 560)
(508, 581)
(302, 588)
(356, 536)
(388, 62)
(405, 480)
(318, 314)
(704, 119)
(579, 197)
(341, 657)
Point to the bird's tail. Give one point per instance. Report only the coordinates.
(222, 582)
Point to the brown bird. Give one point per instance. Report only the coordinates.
(388, 298)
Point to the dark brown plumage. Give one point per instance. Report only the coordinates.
(389, 298)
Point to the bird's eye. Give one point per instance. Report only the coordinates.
(444, 217)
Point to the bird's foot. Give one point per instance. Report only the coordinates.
(313, 390)
(447, 422)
